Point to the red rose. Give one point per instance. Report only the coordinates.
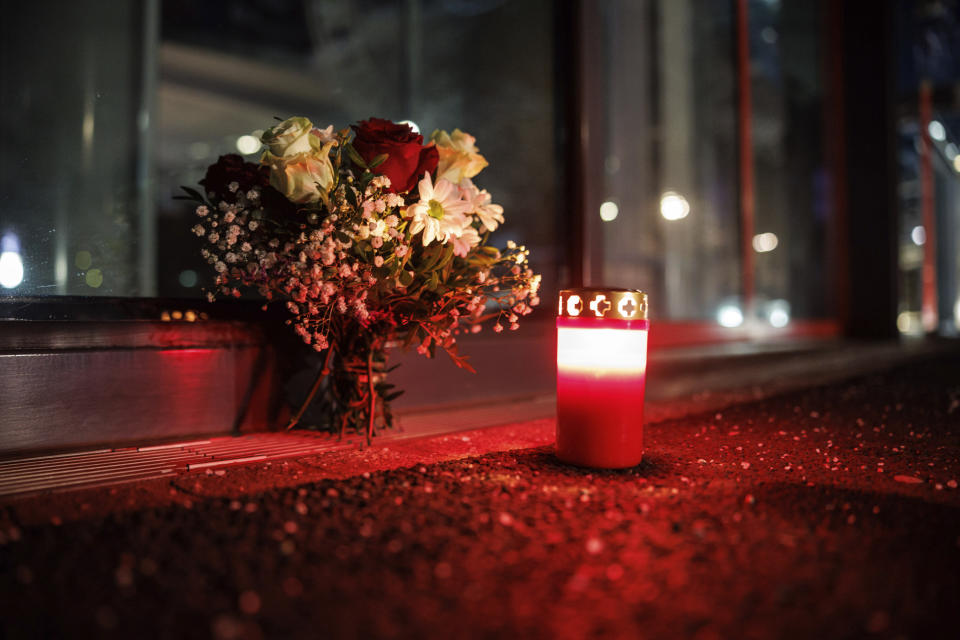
(407, 158)
(233, 168)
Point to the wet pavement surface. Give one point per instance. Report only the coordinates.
(832, 512)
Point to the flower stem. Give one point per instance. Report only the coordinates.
(373, 397)
(324, 372)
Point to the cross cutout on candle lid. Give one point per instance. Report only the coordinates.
(627, 307)
(600, 305)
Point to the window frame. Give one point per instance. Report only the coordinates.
(34, 325)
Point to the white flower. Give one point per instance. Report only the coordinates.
(290, 137)
(378, 228)
(368, 207)
(393, 200)
(325, 135)
(466, 241)
(481, 205)
(440, 213)
(303, 177)
(458, 155)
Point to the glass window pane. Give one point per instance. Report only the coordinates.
(929, 164)
(74, 160)
(669, 214)
(123, 104)
(671, 226)
(224, 76)
(792, 207)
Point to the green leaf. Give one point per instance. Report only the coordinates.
(351, 196)
(194, 195)
(365, 181)
(379, 160)
(480, 260)
(446, 256)
(433, 255)
(354, 156)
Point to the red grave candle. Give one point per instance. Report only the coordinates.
(601, 371)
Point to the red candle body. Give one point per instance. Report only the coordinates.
(601, 371)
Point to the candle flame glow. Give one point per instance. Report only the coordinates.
(601, 351)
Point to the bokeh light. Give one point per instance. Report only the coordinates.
(674, 206)
(609, 211)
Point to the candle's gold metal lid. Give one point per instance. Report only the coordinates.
(603, 303)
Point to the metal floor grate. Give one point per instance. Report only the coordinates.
(111, 466)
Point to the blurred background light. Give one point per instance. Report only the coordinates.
(248, 144)
(413, 125)
(609, 211)
(778, 313)
(909, 322)
(94, 278)
(937, 131)
(763, 242)
(729, 316)
(918, 235)
(674, 206)
(83, 260)
(188, 278)
(11, 264)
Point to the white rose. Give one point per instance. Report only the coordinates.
(458, 155)
(303, 178)
(290, 137)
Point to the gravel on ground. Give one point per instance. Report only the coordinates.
(832, 512)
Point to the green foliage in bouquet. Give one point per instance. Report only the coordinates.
(371, 239)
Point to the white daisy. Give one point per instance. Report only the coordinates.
(468, 239)
(481, 204)
(440, 213)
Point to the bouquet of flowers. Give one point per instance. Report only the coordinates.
(371, 239)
